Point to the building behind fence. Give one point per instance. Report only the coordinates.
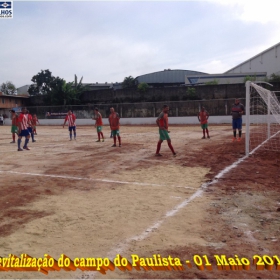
(215, 107)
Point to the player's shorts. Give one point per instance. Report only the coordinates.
(115, 132)
(14, 129)
(99, 128)
(72, 128)
(24, 132)
(163, 135)
(237, 123)
(204, 126)
(30, 129)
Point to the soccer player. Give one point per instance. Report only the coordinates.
(34, 122)
(30, 129)
(203, 116)
(23, 124)
(98, 124)
(114, 121)
(71, 118)
(237, 111)
(162, 122)
(14, 128)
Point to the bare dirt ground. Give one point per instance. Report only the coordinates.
(86, 199)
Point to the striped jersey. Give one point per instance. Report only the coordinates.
(71, 120)
(23, 121)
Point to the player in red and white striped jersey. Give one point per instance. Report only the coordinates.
(71, 119)
(23, 123)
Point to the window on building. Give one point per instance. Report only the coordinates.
(3, 100)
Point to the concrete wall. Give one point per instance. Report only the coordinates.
(166, 94)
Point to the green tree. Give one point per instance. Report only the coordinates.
(41, 83)
(274, 78)
(128, 82)
(8, 88)
(191, 94)
(143, 87)
(56, 90)
(79, 88)
(250, 78)
(62, 93)
(214, 82)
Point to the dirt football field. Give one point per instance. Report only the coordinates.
(88, 200)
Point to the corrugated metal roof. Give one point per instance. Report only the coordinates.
(167, 76)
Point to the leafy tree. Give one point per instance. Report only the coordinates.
(41, 83)
(191, 94)
(61, 93)
(250, 78)
(214, 82)
(143, 87)
(56, 90)
(128, 82)
(274, 78)
(79, 88)
(8, 88)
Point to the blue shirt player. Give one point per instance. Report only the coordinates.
(237, 111)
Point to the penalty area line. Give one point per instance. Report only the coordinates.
(88, 179)
(124, 245)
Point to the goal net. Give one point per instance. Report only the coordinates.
(262, 118)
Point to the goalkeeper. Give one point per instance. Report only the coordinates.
(237, 111)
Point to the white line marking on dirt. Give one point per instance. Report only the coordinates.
(89, 179)
(118, 250)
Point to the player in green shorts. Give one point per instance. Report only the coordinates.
(98, 124)
(14, 127)
(203, 117)
(163, 135)
(162, 122)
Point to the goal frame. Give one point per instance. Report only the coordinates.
(248, 119)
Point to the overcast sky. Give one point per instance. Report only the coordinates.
(106, 41)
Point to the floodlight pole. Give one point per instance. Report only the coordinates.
(247, 142)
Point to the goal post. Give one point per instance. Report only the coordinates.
(262, 118)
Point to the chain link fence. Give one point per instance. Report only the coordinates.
(215, 107)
